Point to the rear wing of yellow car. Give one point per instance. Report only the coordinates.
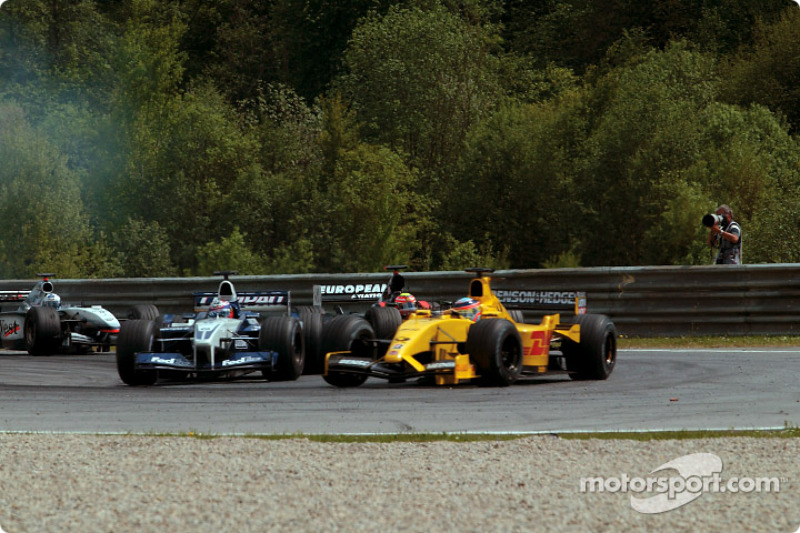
(534, 300)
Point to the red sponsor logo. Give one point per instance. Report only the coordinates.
(540, 343)
(10, 329)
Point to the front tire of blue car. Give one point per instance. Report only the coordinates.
(135, 336)
(284, 335)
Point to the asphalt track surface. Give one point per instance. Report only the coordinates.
(649, 390)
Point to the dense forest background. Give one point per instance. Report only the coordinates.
(178, 137)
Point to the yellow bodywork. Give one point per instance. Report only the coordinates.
(440, 338)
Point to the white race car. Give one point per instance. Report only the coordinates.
(43, 325)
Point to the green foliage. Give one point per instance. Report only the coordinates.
(144, 249)
(568, 259)
(668, 153)
(229, 253)
(768, 72)
(183, 167)
(463, 255)
(311, 35)
(370, 211)
(419, 79)
(40, 201)
(645, 119)
(577, 33)
(339, 132)
(148, 138)
(295, 258)
(753, 165)
(515, 187)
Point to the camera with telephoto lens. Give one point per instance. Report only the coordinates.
(711, 220)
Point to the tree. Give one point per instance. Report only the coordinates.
(661, 152)
(644, 132)
(180, 176)
(308, 38)
(40, 197)
(515, 190)
(768, 72)
(144, 249)
(418, 80)
(370, 214)
(578, 33)
(752, 164)
(230, 253)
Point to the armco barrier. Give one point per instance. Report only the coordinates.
(642, 301)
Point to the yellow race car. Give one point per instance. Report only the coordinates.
(476, 339)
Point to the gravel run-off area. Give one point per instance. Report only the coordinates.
(122, 483)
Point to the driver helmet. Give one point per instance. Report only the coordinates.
(51, 300)
(468, 308)
(220, 308)
(406, 303)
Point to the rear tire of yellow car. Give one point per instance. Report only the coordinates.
(495, 346)
(346, 333)
(595, 356)
(135, 336)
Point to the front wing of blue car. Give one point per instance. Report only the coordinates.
(264, 361)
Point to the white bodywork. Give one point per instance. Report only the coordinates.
(81, 325)
(214, 334)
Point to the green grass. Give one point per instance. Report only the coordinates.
(716, 341)
(786, 433)
(339, 438)
(388, 438)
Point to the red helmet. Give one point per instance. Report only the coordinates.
(468, 308)
(406, 303)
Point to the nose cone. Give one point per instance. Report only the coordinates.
(426, 334)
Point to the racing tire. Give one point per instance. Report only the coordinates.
(495, 346)
(42, 331)
(312, 337)
(346, 333)
(143, 312)
(135, 336)
(595, 356)
(283, 334)
(312, 308)
(384, 321)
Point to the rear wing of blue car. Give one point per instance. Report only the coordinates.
(257, 301)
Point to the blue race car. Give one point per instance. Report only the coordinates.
(227, 336)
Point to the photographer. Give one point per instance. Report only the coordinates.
(725, 234)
